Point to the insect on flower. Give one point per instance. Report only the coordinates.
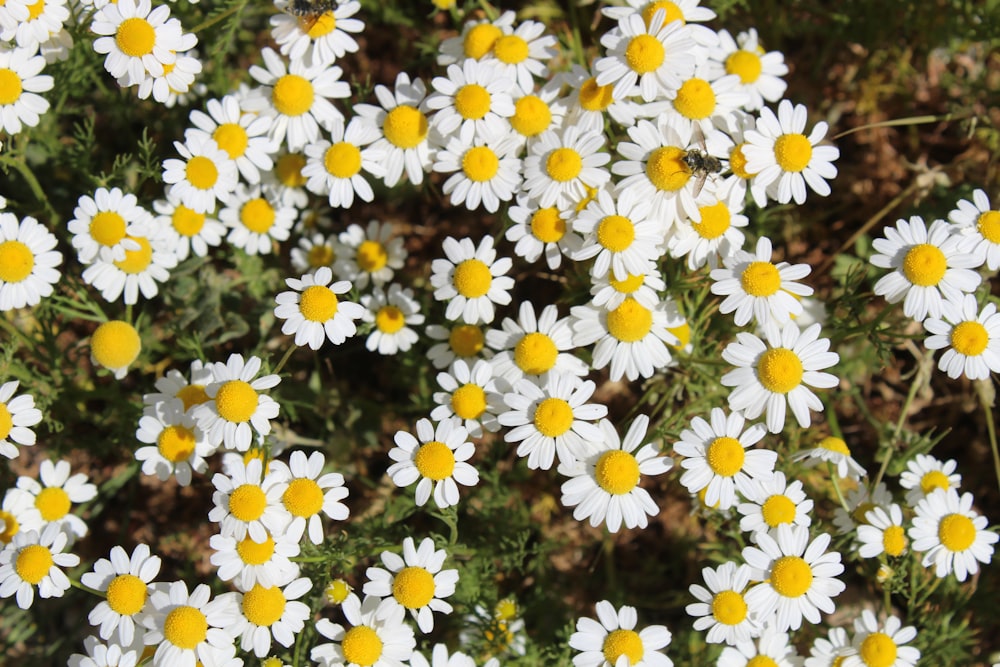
(309, 11)
(701, 165)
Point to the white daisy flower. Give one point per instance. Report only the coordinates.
(115, 345)
(563, 165)
(588, 105)
(177, 79)
(174, 385)
(437, 457)
(137, 39)
(716, 236)
(473, 100)
(139, 271)
(612, 641)
(536, 112)
(241, 134)
(881, 645)
(826, 651)
(248, 563)
(255, 219)
(759, 72)
(777, 373)
(859, 502)
(271, 611)
(102, 224)
(950, 534)
(608, 293)
(185, 230)
(835, 451)
(298, 98)
(533, 346)
(286, 184)
(483, 170)
(702, 104)
(190, 628)
(541, 231)
(759, 289)
(124, 580)
(604, 483)
(716, 457)
(685, 11)
(248, 502)
(471, 279)
(771, 648)
(393, 312)
(34, 559)
(472, 395)
(971, 336)
(784, 160)
(975, 219)
(731, 145)
(367, 639)
(236, 407)
(883, 533)
(13, 12)
(17, 514)
(21, 105)
(310, 492)
(772, 502)
(315, 251)
(476, 40)
(54, 493)
(176, 444)
(414, 581)
(319, 42)
(797, 576)
(928, 266)
(369, 254)
(521, 55)
(204, 174)
(17, 415)
(440, 658)
(722, 608)
(335, 169)
(924, 474)
(621, 233)
(101, 655)
(465, 342)
(314, 311)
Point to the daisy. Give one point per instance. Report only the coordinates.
(924, 474)
(722, 608)
(190, 628)
(437, 457)
(604, 483)
(241, 134)
(248, 502)
(471, 279)
(235, 404)
(881, 645)
(286, 184)
(562, 165)
(368, 639)
(247, 563)
(539, 230)
(176, 445)
(139, 271)
(759, 72)
(335, 169)
(17, 415)
(473, 100)
(440, 658)
(100, 655)
(465, 342)
(34, 559)
(477, 39)
(620, 233)
(975, 219)
(54, 493)
(137, 39)
(520, 55)
(731, 145)
(392, 312)
(928, 266)
(124, 581)
(485, 170)
(533, 346)
(784, 159)
(177, 79)
(702, 104)
(797, 576)
(314, 312)
(587, 104)
(657, 56)
(313, 252)
(535, 112)
(883, 533)
(971, 336)
(414, 582)
(115, 345)
(185, 230)
(716, 457)
(604, 642)
(826, 651)
(834, 451)
(102, 224)
(21, 105)
(17, 514)
(255, 220)
(771, 648)
(298, 98)
(759, 289)
(685, 11)
(174, 385)
(369, 254)
(471, 394)
(715, 236)
(772, 502)
(310, 492)
(858, 503)
(12, 13)
(779, 372)
(204, 174)
(550, 417)
(325, 40)
(271, 611)
(950, 534)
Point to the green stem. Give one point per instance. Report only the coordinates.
(985, 392)
(309, 559)
(911, 120)
(76, 584)
(914, 387)
(836, 487)
(284, 359)
(208, 23)
(36, 188)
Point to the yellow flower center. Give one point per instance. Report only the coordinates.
(135, 37)
(126, 594)
(630, 321)
(185, 627)
(236, 401)
(466, 340)
(292, 95)
(324, 25)
(6, 421)
(505, 610)
(894, 540)
(320, 255)
(563, 164)
(667, 170)
(969, 338)
(303, 497)
(480, 163)
(390, 319)
(53, 503)
(547, 226)
(33, 563)
(629, 285)
(8, 527)
(337, 591)
(878, 650)
(988, 223)
(834, 444)
(760, 279)
(16, 261)
(413, 587)
(615, 233)
(115, 344)
(531, 116)
(472, 278)
(480, 40)
(644, 54)
(201, 172)
(594, 97)
(623, 642)
(683, 334)
(791, 576)
(405, 127)
(137, 261)
(553, 417)
(108, 227)
(257, 215)
(725, 456)
(779, 370)
(469, 401)
(318, 303)
(715, 221)
(472, 101)
(263, 606)
(342, 160)
(924, 265)
(247, 502)
(361, 646)
(176, 443)
(434, 460)
(617, 472)
(956, 532)
(272, 662)
(792, 152)
(935, 479)
(738, 162)
(777, 510)
(289, 170)
(372, 256)
(861, 510)
(510, 49)
(10, 86)
(764, 661)
(695, 99)
(231, 138)
(729, 608)
(255, 553)
(535, 353)
(187, 222)
(746, 64)
(191, 395)
(671, 11)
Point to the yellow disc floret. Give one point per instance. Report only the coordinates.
(318, 303)
(472, 278)
(563, 164)
(469, 401)
(510, 49)
(779, 370)
(480, 40)
(16, 261)
(535, 353)
(969, 338)
(126, 594)
(466, 340)
(553, 417)
(630, 322)
(791, 576)
(746, 64)
(617, 472)
(342, 160)
(108, 227)
(53, 503)
(292, 95)
(413, 587)
(792, 152)
(956, 532)
(185, 627)
(201, 172)
(361, 646)
(935, 479)
(115, 344)
(33, 563)
(405, 126)
(644, 54)
(187, 222)
(472, 101)
(615, 233)
(257, 215)
(263, 606)
(10, 86)
(236, 401)
(777, 510)
(303, 497)
(666, 169)
(255, 553)
(434, 460)
(547, 226)
(924, 265)
(231, 138)
(987, 223)
(894, 540)
(389, 319)
(480, 163)
(531, 116)
(594, 97)
(695, 99)
(760, 279)
(878, 650)
(247, 502)
(135, 37)
(623, 642)
(725, 456)
(729, 607)
(137, 261)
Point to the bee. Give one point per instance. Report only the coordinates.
(702, 165)
(309, 11)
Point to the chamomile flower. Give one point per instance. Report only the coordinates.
(771, 648)
(202, 176)
(236, 407)
(369, 254)
(535, 112)
(17, 415)
(924, 474)
(881, 644)
(858, 503)
(465, 342)
(759, 289)
(717, 457)
(703, 104)
(731, 145)
(21, 80)
(137, 38)
(248, 502)
(612, 640)
(33, 559)
(883, 533)
(541, 231)
(310, 492)
(976, 220)
(54, 493)
(271, 611)
(759, 72)
(414, 581)
(325, 40)
(392, 312)
(771, 502)
(835, 451)
(440, 658)
(533, 346)
(437, 457)
(334, 168)
(286, 184)
(188, 628)
(588, 105)
(971, 336)
(176, 444)
(483, 170)
(241, 134)
(784, 159)
(797, 576)
(177, 79)
(950, 534)
(102, 224)
(12, 13)
(247, 563)
(255, 219)
(471, 393)
(562, 165)
(114, 345)
(17, 514)
(608, 293)
(722, 608)
(174, 385)
(471, 279)
(685, 11)
(620, 233)
(471, 101)
(827, 651)
(139, 271)
(367, 639)
(101, 655)
(521, 55)
(476, 40)
(186, 230)
(124, 580)
(604, 483)
(313, 252)
(928, 266)
(313, 309)
(777, 373)
(715, 236)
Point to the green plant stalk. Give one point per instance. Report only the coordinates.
(36, 188)
(911, 120)
(76, 584)
(984, 390)
(836, 487)
(218, 19)
(897, 430)
(284, 359)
